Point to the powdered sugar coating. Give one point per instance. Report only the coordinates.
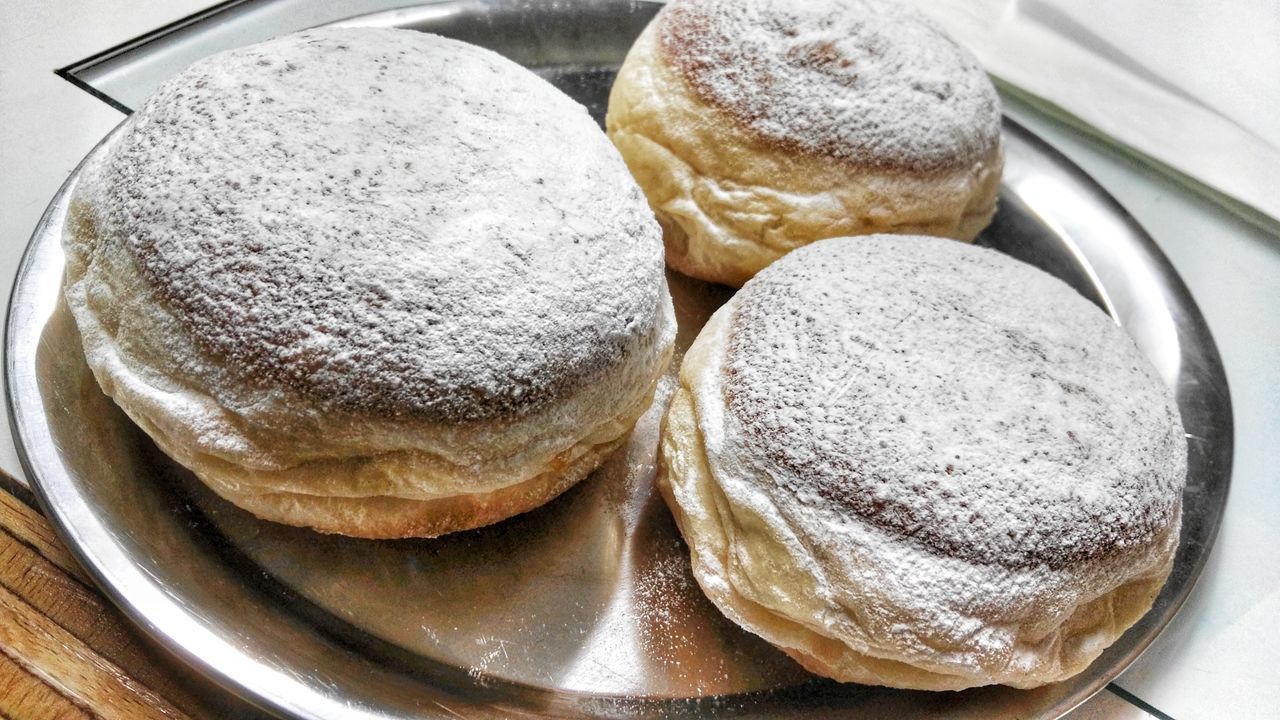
(954, 396)
(388, 221)
(870, 82)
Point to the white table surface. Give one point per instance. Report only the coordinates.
(1218, 658)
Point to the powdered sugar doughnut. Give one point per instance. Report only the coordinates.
(757, 126)
(912, 462)
(371, 281)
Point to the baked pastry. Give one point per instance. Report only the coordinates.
(371, 281)
(757, 126)
(912, 462)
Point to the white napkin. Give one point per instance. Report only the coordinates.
(1193, 85)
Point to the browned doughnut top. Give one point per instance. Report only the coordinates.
(868, 82)
(953, 395)
(388, 221)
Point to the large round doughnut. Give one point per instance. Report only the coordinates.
(913, 462)
(371, 281)
(757, 126)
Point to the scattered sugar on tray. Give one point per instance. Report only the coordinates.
(662, 592)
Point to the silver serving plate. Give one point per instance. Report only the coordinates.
(585, 606)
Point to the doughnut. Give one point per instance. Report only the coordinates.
(912, 462)
(758, 126)
(370, 281)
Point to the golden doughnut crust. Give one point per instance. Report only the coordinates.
(731, 199)
(383, 517)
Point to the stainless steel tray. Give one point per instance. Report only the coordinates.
(583, 607)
